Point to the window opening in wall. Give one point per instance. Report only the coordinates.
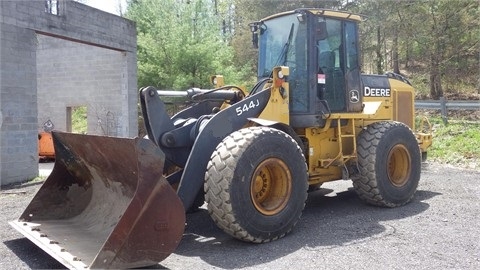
(51, 6)
(77, 119)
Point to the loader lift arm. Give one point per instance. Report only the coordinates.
(189, 153)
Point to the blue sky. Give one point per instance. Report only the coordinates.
(111, 6)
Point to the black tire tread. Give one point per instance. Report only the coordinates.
(218, 176)
(365, 182)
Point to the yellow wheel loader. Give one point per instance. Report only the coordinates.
(311, 118)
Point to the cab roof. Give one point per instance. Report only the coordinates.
(345, 15)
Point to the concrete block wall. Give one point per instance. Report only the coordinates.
(75, 21)
(18, 110)
(71, 74)
(105, 81)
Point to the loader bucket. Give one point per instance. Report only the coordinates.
(105, 205)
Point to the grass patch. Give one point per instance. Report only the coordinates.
(37, 179)
(79, 119)
(11, 189)
(456, 143)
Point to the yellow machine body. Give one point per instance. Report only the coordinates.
(311, 118)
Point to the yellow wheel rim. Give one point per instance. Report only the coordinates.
(399, 169)
(271, 186)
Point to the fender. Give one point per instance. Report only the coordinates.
(280, 126)
(220, 126)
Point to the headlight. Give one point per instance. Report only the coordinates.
(280, 74)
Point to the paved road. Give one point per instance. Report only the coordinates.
(439, 229)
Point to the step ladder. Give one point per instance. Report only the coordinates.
(341, 158)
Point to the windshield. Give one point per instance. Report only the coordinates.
(277, 44)
(283, 42)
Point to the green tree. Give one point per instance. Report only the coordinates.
(180, 43)
(435, 39)
(445, 42)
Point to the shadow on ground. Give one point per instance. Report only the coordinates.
(33, 256)
(327, 221)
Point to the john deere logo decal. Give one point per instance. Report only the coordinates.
(354, 96)
(376, 92)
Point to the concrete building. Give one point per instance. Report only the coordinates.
(55, 56)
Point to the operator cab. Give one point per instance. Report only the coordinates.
(321, 49)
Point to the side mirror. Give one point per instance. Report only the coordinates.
(253, 29)
(255, 40)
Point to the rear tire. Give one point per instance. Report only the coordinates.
(256, 184)
(389, 164)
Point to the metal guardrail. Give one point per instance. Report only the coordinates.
(453, 105)
(443, 105)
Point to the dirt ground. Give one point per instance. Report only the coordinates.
(439, 229)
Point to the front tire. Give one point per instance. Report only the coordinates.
(256, 184)
(389, 164)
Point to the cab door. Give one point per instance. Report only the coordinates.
(338, 71)
(353, 80)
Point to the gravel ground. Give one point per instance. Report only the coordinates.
(439, 229)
